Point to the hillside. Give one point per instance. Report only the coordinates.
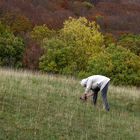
(35, 106)
(115, 16)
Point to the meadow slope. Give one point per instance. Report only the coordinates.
(46, 107)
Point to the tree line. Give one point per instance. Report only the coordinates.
(79, 49)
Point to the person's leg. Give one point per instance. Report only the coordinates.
(95, 94)
(104, 96)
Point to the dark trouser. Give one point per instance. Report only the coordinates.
(104, 96)
(95, 95)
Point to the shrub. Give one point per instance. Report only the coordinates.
(118, 63)
(131, 42)
(18, 23)
(55, 58)
(126, 66)
(100, 63)
(109, 39)
(77, 42)
(40, 32)
(11, 48)
(79, 50)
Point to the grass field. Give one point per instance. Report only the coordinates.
(45, 107)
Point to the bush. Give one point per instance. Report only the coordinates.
(18, 24)
(131, 42)
(69, 53)
(109, 39)
(126, 66)
(11, 48)
(118, 63)
(79, 50)
(101, 64)
(41, 32)
(54, 59)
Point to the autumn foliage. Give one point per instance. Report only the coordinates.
(77, 38)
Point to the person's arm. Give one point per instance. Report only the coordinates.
(86, 96)
(88, 87)
(89, 94)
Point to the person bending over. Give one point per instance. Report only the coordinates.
(95, 84)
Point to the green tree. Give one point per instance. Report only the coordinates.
(126, 66)
(131, 42)
(100, 63)
(121, 65)
(18, 23)
(54, 59)
(41, 32)
(11, 48)
(79, 40)
(82, 33)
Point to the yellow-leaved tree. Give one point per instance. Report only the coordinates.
(79, 40)
(83, 33)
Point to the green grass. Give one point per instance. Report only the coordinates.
(43, 107)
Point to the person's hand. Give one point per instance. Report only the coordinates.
(84, 97)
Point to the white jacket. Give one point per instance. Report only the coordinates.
(94, 81)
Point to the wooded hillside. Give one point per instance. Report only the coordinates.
(114, 16)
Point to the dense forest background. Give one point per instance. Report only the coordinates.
(72, 37)
(116, 16)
